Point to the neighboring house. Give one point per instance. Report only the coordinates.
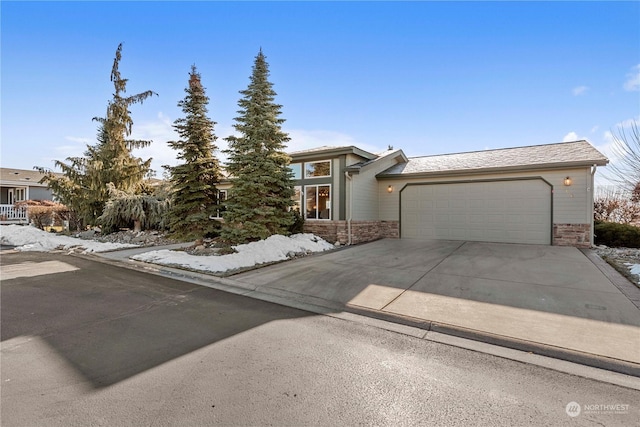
(537, 195)
(17, 185)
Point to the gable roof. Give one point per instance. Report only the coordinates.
(549, 156)
(397, 153)
(9, 176)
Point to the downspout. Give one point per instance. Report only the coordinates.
(348, 176)
(591, 201)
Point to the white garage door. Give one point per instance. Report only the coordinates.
(514, 211)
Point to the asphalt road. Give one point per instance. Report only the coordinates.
(85, 343)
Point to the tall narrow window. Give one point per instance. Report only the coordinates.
(297, 199)
(222, 197)
(318, 201)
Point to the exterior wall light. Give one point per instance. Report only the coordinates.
(390, 189)
(568, 181)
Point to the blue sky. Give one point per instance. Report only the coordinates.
(427, 77)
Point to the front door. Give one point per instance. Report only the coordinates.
(10, 195)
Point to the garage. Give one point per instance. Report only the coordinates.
(503, 211)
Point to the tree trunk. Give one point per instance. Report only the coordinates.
(137, 226)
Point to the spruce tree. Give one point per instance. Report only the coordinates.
(195, 196)
(84, 184)
(260, 199)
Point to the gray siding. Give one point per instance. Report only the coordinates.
(571, 205)
(39, 193)
(366, 197)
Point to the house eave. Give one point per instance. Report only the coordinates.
(397, 155)
(482, 171)
(331, 153)
(7, 183)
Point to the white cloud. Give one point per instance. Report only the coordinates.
(78, 146)
(62, 152)
(571, 136)
(609, 147)
(159, 131)
(595, 129)
(580, 90)
(302, 139)
(633, 79)
(77, 139)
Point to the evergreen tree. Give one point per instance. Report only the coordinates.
(195, 196)
(83, 187)
(259, 201)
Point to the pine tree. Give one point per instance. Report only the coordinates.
(259, 201)
(195, 195)
(84, 185)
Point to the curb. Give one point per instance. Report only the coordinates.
(587, 359)
(403, 324)
(631, 291)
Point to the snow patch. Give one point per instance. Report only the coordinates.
(635, 269)
(28, 238)
(275, 248)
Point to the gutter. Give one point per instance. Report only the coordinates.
(481, 171)
(590, 200)
(349, 178)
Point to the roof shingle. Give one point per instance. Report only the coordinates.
(578, 153)
(28, 177)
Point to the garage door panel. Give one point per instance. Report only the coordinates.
(515, 220)
(516, 211)
(457, 219)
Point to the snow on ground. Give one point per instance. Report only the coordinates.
(635, 269)
(275, 248)
(28, 238)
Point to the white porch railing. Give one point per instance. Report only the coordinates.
(12, 214)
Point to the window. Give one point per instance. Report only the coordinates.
(317, 169)
(318, 201)
(297, 199)
(296, 168)
(222, 197)
(20, 194)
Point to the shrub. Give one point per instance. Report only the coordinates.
(298, 223)
(615, 206)
(143, 210)
(617, 235)
(44, 212)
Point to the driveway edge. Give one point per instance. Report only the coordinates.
(405, 324)
(629, 290)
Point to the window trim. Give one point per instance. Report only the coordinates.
(19, 194)
(301, 165)
(318, 176)
(219, 211)
(304, 196)
(301, 199)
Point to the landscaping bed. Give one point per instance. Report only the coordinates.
(625, 260)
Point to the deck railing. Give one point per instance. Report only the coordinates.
(13, 214)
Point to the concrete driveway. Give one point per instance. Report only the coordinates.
(541, 297)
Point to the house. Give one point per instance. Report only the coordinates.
(534, 195)
(17, 185)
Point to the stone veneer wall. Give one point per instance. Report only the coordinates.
(361, 231)
(578, 235)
